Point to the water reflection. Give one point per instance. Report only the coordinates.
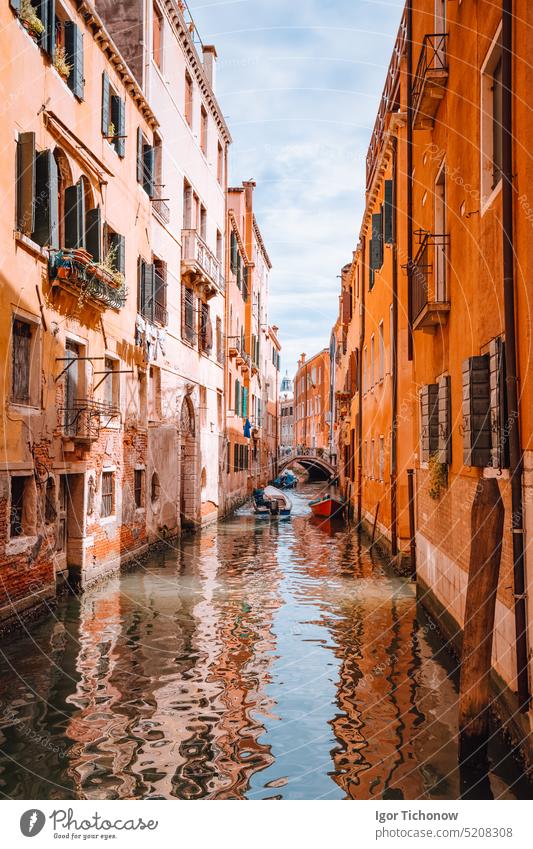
(262, 659)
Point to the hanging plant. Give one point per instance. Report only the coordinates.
(60, 62)
(111, 131)
(438, 477)
(30, 18)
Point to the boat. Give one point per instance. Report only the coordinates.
(286, 480)
(271, 501)
(327, 507)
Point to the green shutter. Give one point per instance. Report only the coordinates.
(237, 397)
(75, 216)
(140, 162)
(244, 409)
(46, 10)
(148, 178)
(105, 104)
(46, 223)
(147, 290)
(234, 252)
(388, 213)
(74, 56)
(120, 145)
(376, 245)
(26, 183)
(93, 233)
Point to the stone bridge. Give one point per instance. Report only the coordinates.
(317, 466)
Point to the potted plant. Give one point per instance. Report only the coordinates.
(60, 62)
(438, 477)
(30, 19)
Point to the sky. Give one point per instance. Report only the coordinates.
(299, 82)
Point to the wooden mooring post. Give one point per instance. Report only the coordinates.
(486, 535)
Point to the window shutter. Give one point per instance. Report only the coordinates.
(244, 411)
(476, 412)
(140, 162)
(346, 307)
(74, 56)
(245, 282)
(93, 233)
(376, 245)
(235, 457)
(105, 104)
(46, 10)
(120, 145)
(26, 183)
(118, 244)
(234, 251)
(388, 213)
(239, 271)
(147, 290)
(237, 397)
(498, 405)
(46, 210)
(75, 216)
(148, 164)
(445, 438)
(429, 420)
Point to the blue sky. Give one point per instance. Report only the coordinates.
(299, 83)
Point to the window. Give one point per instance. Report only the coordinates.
(114, 249)
(110, 384)
(16, 528)
(219, 341)
(206, 329)
(68, 35)
(107, 494)
(372, 459)
(188, 324)
(37, 192)
(365, 371)
(160, 291)
(22, 337)
(113, 116)
(219, 246)
(188, 100)
(154, 393)
(372, 361)
(155, 489)
(203, 130)
(220, 164)
(157, 36)
(138, 484)
(381, 458)
(145, 163)
(491, 119)
(203, 223)
(146, 290)
(381, 352)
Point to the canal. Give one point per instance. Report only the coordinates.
(262, 659)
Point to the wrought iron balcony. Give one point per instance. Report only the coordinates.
(429, 302)
(200, 265)
(430, 81)
(162, 209)
(75, 271)
(83, 419)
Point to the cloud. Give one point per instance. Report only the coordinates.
(300, 85)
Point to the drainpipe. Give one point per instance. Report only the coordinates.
(409, 13)
(515, 452)
(360, 382)
(394, 363)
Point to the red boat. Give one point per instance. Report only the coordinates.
(327, 507)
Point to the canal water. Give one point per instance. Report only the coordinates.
(262, 659)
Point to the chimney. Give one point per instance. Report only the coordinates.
(249, 186)
(210, 62)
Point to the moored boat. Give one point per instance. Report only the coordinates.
(327, 507)
(286, 480)
(271, 501)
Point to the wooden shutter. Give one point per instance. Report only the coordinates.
(244, 410)
(106, 105)
(148, 170)
(346, 306)
(445, 437)
(235, 457)
(75, 216)
(74, 56)
(118, 244)
(147, 290)
(429, 421)
(476, 412)
(46, 205)
(388, 213)
(239, 271)
(376, 245)
(26, 183)
(93, 233)
(21, 341)
(498, 405)
(234, 251)
(245, 286)
(46, 10)
(120, 144)
(160, 278)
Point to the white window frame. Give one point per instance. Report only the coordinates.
(488, 194)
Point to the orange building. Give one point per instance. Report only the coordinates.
(312, 403)
(433, 340)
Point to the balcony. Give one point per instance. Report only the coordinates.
(234, 346)
(429, 303)
(162, 209)
(200, 265)
(83, 420)
(75, 271)
(430, 80)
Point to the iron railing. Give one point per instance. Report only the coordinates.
(162, 208)
(433, 57)
(194, 249)
(75, 270)
(428, 272)
(84, 418)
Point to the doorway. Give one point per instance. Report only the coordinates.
(71, 524)
(188, 464)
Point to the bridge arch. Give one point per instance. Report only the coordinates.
(317, 467)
